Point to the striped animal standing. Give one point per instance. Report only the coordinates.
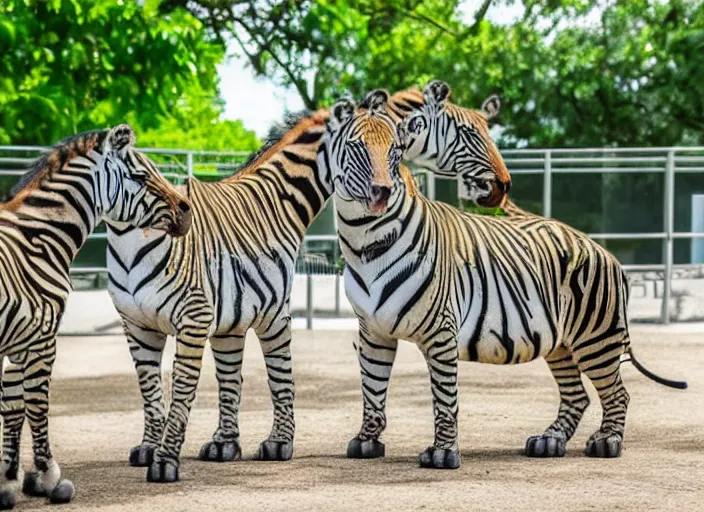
(56, 205)
(426, 125)
(468, 287)
(232, 272)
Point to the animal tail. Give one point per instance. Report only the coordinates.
(677, 384)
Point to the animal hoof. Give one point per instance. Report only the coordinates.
(365, 449)
(162, 472)
(545, 446)
(276, 450)
(7, 500)
(31, 485)
(604, 446)
(218, 451)
(142, 455)
(438, 458)
(63, 492)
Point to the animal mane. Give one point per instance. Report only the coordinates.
(280, 135)
(53, 160)
(413, 97)
(407, 177)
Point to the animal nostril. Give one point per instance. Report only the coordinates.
(380, 193)
(184, 207)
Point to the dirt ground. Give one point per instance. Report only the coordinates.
(97, 418)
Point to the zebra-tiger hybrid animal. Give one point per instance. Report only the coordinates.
(83, 179)
(467, 287)
(460, 146)
(232, 272)
(426, 126)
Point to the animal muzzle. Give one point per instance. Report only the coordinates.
(183, 219)
(380, 198)
(497, 192)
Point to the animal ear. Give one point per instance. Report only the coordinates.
(491, 106)
(376, 100)
(121, 137)
(340, 112)
(415, 124)
(436, 92)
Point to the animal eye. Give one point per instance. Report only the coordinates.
(139, 177)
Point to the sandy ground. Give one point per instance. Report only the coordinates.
(97, 418)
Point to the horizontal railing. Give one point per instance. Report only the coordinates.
(667, 161)
(545, 162)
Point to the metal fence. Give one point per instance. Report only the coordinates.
(178, 165)
(666, 161)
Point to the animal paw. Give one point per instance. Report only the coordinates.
(545, 446)
(63, 492)
(220, 451)
(275, 450)
(439, 458)
(142, 455)
(604, 445)
(365, 449)
(163, 471)
(7, 499)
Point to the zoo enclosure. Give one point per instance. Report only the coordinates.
(547, 164)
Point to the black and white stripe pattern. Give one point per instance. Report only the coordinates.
(452, 141)
(233, 272)
(80, 181)
(501, 290)
(424, 122)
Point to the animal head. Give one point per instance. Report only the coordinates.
(130, 188)
(455, 142)
(365, 148)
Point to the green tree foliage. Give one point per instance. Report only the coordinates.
(635, 77)
(73, 65)
(196, 124)
(571, 72)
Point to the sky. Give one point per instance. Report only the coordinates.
(259, 103)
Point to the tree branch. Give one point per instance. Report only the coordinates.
(481, 13)
(298, 83)
(430, 21)
(478, 18)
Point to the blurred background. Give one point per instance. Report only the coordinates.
(203, 80)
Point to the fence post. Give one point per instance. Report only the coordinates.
(309, 301)
(547, 185)
(430, 180)
(669, 221)
(189, 164)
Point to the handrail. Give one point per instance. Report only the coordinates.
(668, 161)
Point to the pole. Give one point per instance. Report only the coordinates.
(669, 221)
(547, 185)
(430, 179)
(189, 164)
(309, 301)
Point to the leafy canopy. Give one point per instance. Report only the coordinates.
(570, 72)
(71, 65)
